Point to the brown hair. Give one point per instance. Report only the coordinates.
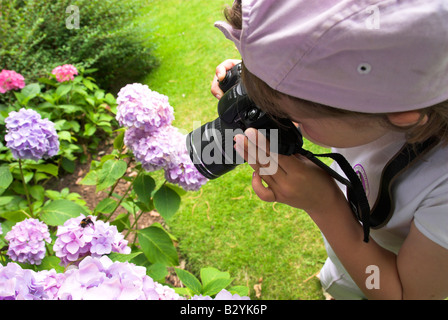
(268, 99)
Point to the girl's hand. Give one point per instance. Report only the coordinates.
(220, 73)
(293, 180)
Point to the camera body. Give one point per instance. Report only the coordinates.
(211, 146)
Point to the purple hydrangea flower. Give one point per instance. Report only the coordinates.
(27, 241)
(75, 242)
(100, 278)
(29, 136)
(20, 284)
(142, 108)
(151, 137)
(152, 150)
(51, 282)
(181, 170)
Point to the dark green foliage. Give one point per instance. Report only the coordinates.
(36, 36)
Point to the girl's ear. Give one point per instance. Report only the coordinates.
(407, 118)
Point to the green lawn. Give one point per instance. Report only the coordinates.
(225, 225)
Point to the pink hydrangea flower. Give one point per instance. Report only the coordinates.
(11, 80)
(65, 73)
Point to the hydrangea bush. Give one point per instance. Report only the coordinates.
(53, 246)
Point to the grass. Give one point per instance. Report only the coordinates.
(225, 225)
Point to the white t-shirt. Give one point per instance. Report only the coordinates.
(420, 195)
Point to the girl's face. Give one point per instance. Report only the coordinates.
(343, 131)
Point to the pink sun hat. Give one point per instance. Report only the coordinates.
(357, 55)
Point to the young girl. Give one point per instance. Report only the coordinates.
(365, 78)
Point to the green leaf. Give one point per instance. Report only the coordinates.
(68, 165)
(121, 222)
(90, 179)
(210, 274)
(65, 135)
(47, 168)
(214, 280)
(63, 89)
(166, 201)
(5, 200)
(5, 179)
(121, 257)
(37, 192)
(89, 129)
(157, 246)
(240, 290)
(14, 216)
(31, 90)
(189, 280)
(87, 83)
(119, 141)
(143, 187)
(106, 206)
(51, 262)
(111, 171)
(57, 212)
(70, 108)
(157, 272)
(215, 286)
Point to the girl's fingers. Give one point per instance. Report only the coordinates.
(220, 73)
(259, 146)
(264, 193)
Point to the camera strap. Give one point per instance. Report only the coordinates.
(356, 196)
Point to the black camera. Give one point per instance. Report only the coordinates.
(211, 146)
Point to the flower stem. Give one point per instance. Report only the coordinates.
(26, 188)
(134, 225)
(119, 202)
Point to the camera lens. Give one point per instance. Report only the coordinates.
(211, 149)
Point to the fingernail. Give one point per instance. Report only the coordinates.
(250, 134)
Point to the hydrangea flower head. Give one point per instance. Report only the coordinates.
(11, 80)
(142, 108)
(100, 278)
(27, 241)
(20, 284)
(75, 241)
(29, 136)
(181, 170)
(65, 72)
(154, 149)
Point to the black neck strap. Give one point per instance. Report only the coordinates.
(384, 207)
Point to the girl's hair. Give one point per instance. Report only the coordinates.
(268, 99)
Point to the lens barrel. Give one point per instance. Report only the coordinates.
(211, 149)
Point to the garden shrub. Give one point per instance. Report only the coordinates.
(36, 36)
